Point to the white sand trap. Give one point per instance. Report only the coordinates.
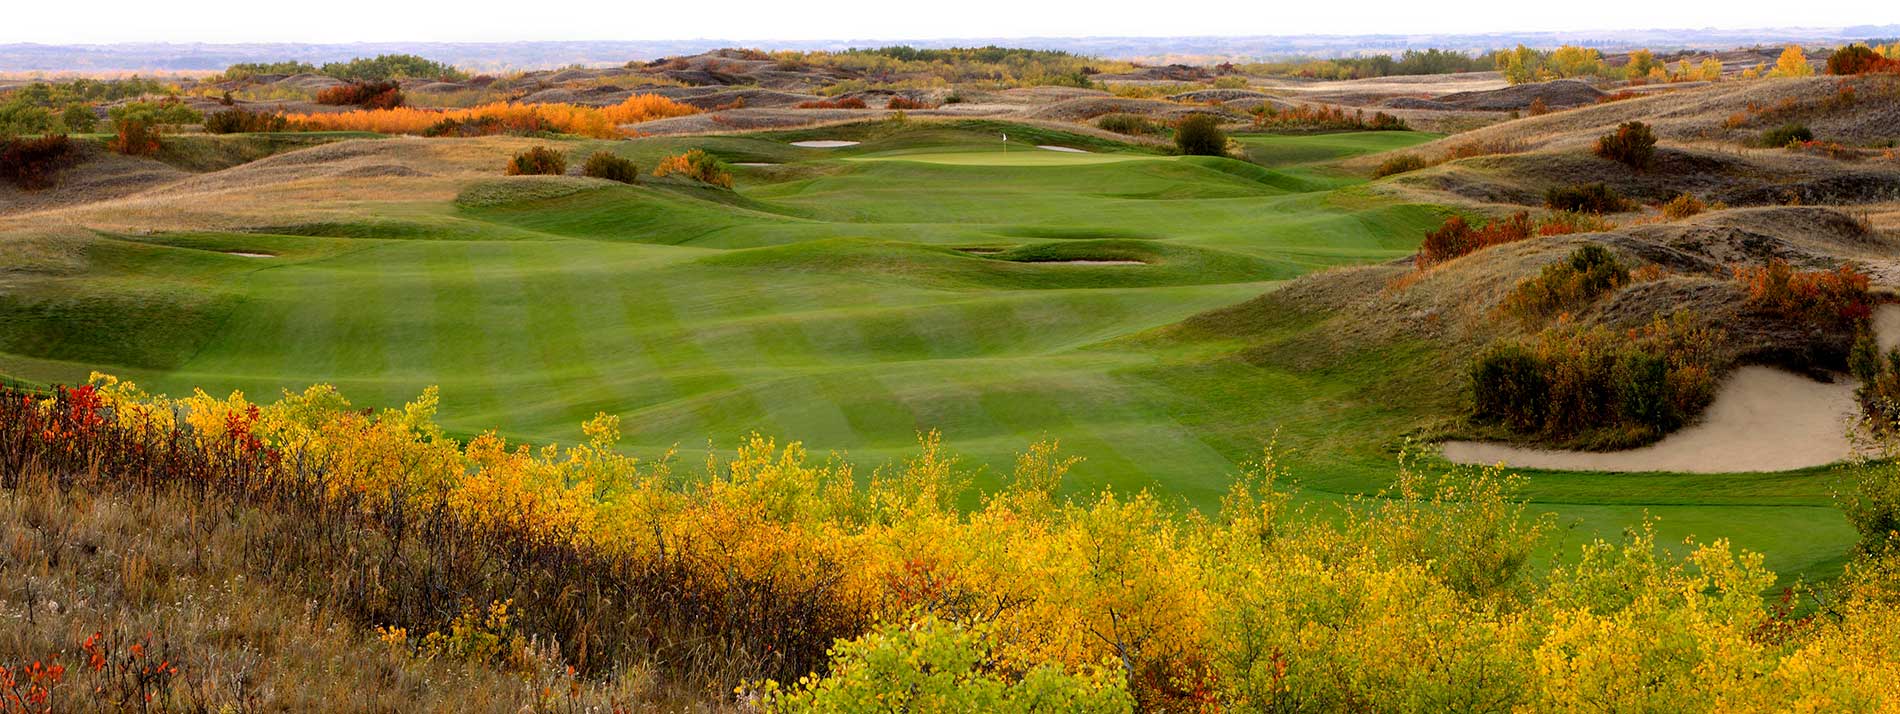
(824, 144)
(753, 163)
(1763, 419)
(242, 254)
(1086, 262)
(1052, 147)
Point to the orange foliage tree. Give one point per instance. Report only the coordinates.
(600, 123)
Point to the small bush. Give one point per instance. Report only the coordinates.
(1130, 124)
(1508, 385)
(606, 165)
(901, 103)
(1633, 145)
(1538, 107)
(134, 137)
(1590, 272)
(538, 161)
(235, 121)
(1784, 135)
(1683, 206)
(697, 165)
(368, 95)
(1200, 135)
(1399, 164)
(1596, 198)
(79, 118)
(31, 163)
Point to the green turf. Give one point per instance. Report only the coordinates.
(850, 298)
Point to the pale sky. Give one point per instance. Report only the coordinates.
(762, 20)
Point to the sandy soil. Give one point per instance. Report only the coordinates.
(1763, 419)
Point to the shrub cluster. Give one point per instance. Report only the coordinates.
(1324, 117)
(867, 592)
(1860, 59)
(368, 95)
(1633, 144)
(1456, 237)
(1835, 300)
(696, 165)
(164, 112)
(1200, 135)
(1622, 386)
(901, 103)
(846, 103)
(31, 163)
(1398, 164)
(528, 124)
(1590, 272)
(1784, 135)
(1130, 124)
(1683, 206)
(392, 67)
(607, 165)
(503, 117)
(1595, 197)
(538, 161)
(235, 121)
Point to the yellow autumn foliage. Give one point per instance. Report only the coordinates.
(1421, 598)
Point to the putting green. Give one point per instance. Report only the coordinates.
(851, 297)
(1026, 156)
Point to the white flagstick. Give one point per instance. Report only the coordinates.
(1005, 143)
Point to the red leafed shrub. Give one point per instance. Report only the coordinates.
(1859, 59)
(1633, 144)
(902, 103)
(846, 103)
(368, 95)
(1834, 299)
(134, 138)
(31, 163)
(1457, 237)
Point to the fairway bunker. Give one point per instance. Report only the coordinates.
(244, 254)
(1065, 149)
(824, 144)
(1763, 419)
(754, 163)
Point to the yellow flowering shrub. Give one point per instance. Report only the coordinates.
(1420, 598)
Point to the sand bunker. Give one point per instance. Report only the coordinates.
(1086, 262)
(754, 163)
(1069, 149)
(1763, 419)
(824, 144)
(243, 254)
